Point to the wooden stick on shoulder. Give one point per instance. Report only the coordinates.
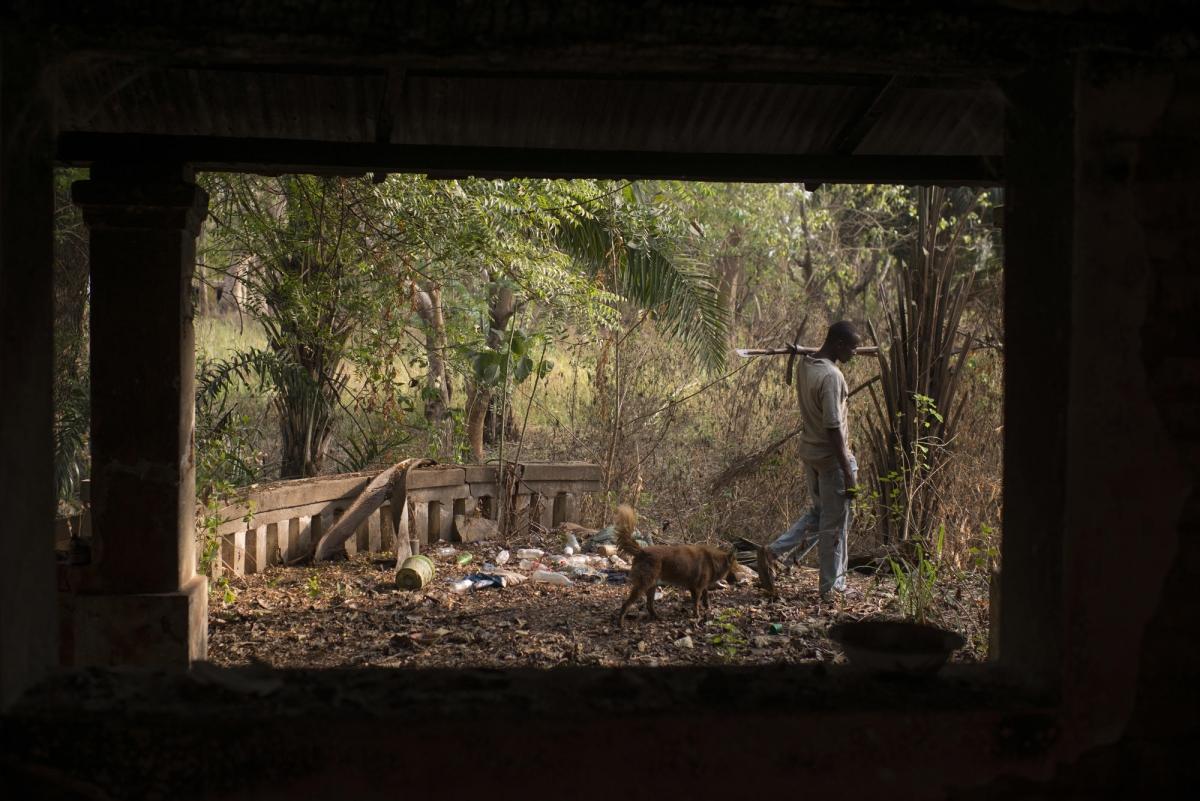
(804, 350)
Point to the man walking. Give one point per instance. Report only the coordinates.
(831, 469)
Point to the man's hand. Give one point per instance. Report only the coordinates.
(851, 490)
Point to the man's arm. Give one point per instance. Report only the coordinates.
(843, 454)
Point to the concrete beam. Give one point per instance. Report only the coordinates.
(358, 158)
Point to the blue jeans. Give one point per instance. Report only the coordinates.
(827, 522)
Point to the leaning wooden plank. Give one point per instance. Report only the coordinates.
(765, 575)
(374, 496)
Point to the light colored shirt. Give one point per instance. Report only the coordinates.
(824, 396)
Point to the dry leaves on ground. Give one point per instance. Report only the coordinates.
(349, 613)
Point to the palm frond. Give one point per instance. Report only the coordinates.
(677, 289)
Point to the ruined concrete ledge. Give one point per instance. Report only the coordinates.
(379, 733)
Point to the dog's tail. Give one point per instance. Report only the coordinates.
(625, 522)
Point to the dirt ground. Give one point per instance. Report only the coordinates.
(350, 613)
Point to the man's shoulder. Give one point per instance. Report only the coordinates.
(823, 369)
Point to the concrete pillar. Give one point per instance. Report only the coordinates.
(256, 549)
(28, 604)
(278, 541)
(375, 532)
(435, 522)
(520, 515)
(150, 604)
(387, 532)
(302, 537)
(420, 524)
(566, 508)
(545, 505)
(1039, 256)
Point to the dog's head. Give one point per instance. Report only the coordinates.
(730, 564)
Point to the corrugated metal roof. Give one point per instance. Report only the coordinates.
(530, 111)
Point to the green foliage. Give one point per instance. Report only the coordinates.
(72, 426)
(730, 640)
(917, 578)
(72, 401)
(919, 398)
(494, 366)
(228, 594)
(333, 266)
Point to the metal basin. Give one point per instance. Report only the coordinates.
(892, 646)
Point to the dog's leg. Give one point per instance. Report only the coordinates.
(704, 598)
(650, 613)
(633, 594)
(696, 596)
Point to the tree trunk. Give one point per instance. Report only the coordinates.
(437, 385)
(502, 306)
(304, 445)
(477, 408)
(729, 272)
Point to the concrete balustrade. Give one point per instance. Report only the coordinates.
(282, 521)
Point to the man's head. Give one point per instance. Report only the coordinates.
(841, 341)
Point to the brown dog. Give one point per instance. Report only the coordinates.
(693, 567)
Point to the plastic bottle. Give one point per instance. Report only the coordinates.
(547, 577)
(463, 558)
(461, 586)
(446, 551)
(530, 553)
(502, 558)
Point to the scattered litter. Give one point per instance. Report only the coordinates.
(463, 558)
(775, 628)
(446, 551)
(530, 553)
(615, 576)
(511, 578)
(462, 585)
(546, 577)
(606, 550)
(618, 562)
(685, 642)
(502, 558)
(587, 575)
(605, 536)
(608, 536)
(416, 572)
